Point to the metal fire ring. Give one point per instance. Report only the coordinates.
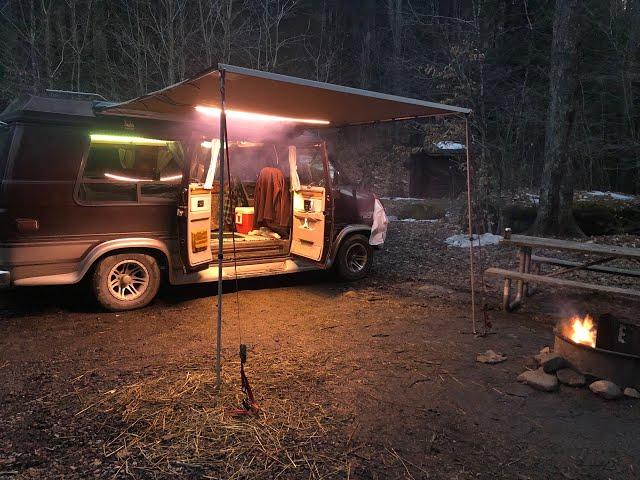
(621, 368)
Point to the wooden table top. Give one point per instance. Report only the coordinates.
(592, 248)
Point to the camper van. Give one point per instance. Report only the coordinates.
(128, 195)
(126, 203)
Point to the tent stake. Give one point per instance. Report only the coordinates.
(470, 215)
(223, 141)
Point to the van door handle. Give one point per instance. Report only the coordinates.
(27, 225)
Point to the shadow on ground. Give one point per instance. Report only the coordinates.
(25, 301)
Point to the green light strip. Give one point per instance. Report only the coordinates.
(123, 139)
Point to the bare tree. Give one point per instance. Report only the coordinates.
(396, 26)
(324, 46)
(272, 37)
(631, 73)
(79, 26)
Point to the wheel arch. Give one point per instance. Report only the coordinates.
(346, 232)
(158, 249)
(155, 247)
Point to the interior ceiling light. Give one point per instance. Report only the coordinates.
(171, 177)
(123, 178)
(123, 139)
(215, 112)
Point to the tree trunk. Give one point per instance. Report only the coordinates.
(35, 71)
(628, 73)
(555, 216)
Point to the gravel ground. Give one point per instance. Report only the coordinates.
(375, 379)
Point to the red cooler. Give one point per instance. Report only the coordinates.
(244, 219)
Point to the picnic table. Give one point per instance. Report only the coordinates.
(529, 271)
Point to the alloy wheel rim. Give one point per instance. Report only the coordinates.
(128, 280)
(356, 257)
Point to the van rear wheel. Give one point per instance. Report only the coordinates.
(126, 281)
(355, 258)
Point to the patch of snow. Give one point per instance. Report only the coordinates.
(533, 198)
(403, 199)
(448, 145)
(414, 220)
(613, 195)
(462, 240)
(394, 218)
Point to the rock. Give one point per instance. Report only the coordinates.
(606, 389)
(539, 380)
(350, 294)
(531, 363)
(631, 392)
(571, 377)
(490, 357)
(551, 362)
(517, 390)
(545, 350)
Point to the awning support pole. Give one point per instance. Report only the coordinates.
(223, 143)
(470, 215)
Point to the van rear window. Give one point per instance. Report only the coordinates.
(129, 169)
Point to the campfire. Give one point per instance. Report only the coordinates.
(580, 330)
(607, 348)
(603, 354)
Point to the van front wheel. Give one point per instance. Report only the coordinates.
(354, 258)
(126, 281)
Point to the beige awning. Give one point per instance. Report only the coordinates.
(254, 91)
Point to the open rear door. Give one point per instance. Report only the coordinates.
(307, 238)
(194, 216)
(194, 220)
(309, 203)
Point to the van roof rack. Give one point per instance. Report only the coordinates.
(72, 93)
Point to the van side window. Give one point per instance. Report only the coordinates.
(48, 153)
(130, 169)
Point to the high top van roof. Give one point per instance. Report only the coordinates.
(32, 106)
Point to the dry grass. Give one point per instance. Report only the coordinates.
(172, 423)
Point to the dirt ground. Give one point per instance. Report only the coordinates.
(375, 379)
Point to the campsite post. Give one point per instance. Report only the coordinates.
(223, 142)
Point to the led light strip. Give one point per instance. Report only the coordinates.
(123, 139)
(215, 112)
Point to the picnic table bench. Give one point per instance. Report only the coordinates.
(529, 271)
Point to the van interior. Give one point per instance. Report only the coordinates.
(263, 206)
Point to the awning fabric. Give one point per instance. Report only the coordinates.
(267, 93)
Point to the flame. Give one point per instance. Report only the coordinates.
(581, 330)
(215, 112)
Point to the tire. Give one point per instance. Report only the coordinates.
(126, 281)
(355, 258)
